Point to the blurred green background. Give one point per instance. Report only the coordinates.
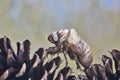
(96, 21)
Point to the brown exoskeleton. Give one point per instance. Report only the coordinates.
(69, 42)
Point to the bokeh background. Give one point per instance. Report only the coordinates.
(96, 21)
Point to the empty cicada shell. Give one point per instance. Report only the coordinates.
(69, 42)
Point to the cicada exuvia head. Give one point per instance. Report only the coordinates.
(54, 37)
(58, 36)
